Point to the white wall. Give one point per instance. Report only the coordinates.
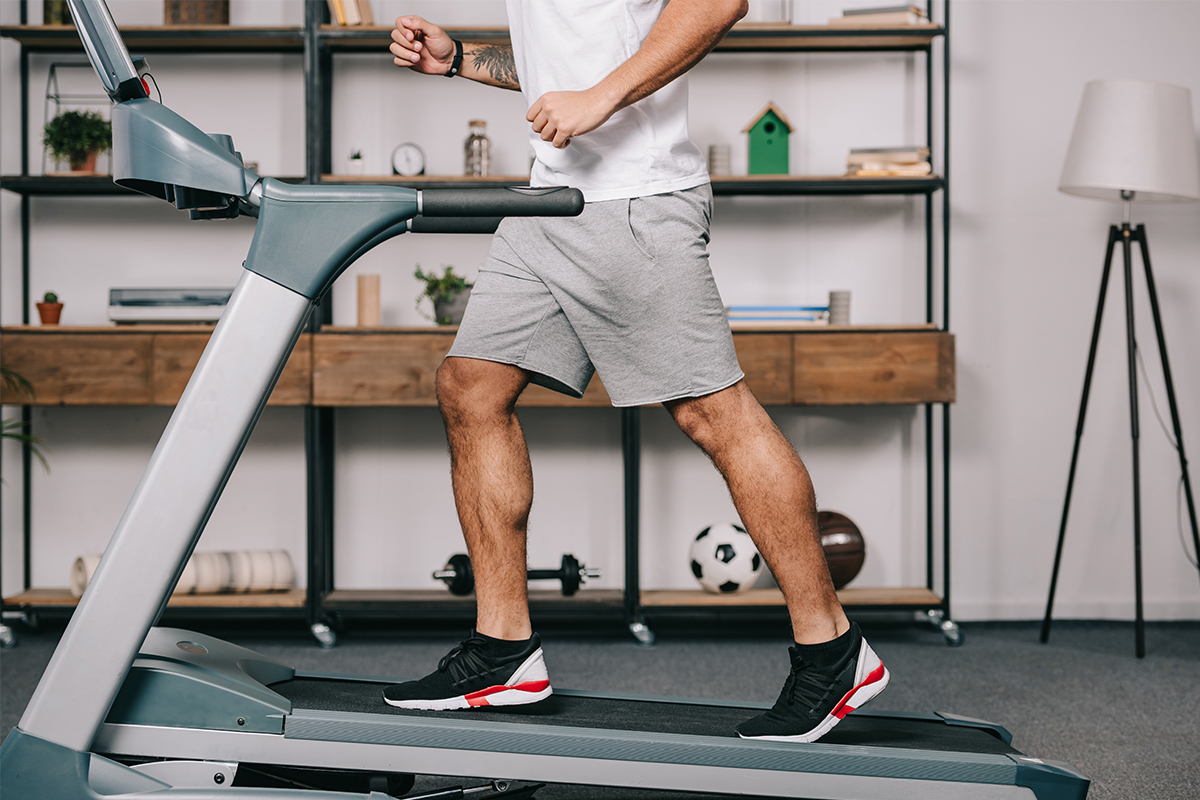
(1025, 263)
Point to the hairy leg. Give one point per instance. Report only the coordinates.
(774, 496)
(493, 485)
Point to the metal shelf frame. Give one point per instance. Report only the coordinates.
(318, 41)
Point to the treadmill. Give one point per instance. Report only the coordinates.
(129, 710)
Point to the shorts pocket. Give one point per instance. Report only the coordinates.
(640, 230)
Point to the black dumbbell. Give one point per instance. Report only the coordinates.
(459, 577)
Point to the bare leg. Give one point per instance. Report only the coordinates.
(493, 485)
(774, 496)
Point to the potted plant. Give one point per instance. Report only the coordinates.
(77, 137)
(354, 164)
(50, 310)
(448, 292)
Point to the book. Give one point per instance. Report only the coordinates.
(919, 168)
(350, 8)
(336, 13)
(891, 15)
(777, 315)
(900, 9)
(364, 11)
(892, 172)
(909, 154)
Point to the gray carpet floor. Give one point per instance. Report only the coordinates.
(1131, 725)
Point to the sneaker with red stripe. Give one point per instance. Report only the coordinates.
(815, 700)
(479, 672)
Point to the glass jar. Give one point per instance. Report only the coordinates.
(477, 150)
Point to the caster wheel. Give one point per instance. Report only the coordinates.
(641, 631)
(954, 635)
(324, 635)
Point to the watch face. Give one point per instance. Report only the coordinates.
(408, 159)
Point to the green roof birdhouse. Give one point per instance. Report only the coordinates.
(769, 142)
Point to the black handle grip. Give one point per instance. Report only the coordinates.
(421, 224)
(508, 201)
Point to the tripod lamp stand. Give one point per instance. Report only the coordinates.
(1134, 141)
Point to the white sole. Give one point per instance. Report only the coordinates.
(870, 678)
(529, 684)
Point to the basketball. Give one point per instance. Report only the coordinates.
(844, 546)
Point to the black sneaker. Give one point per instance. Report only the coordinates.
(474, 674)
(813, 700)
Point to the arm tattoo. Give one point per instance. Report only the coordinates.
(497, 61)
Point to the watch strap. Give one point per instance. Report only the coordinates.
(456, 65)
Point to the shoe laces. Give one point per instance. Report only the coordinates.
(807, 684)
(465, 660)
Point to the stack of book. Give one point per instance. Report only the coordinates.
(351, 12)
(775, 316)
(909, 161)
(886, 15)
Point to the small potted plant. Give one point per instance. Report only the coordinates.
(448, 292)
(77, 137)
(354, 164)
(50, 310)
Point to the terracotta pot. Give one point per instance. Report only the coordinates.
(49, 312)
(87, 165)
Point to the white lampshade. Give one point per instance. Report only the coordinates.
(1133, 136)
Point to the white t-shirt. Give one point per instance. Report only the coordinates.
(571, 45)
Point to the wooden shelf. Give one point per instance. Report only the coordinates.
(379, 367)
(896, 598)
(167, 38)
(62, 598)
(744, 37)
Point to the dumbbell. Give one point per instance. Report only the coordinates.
(459, 577)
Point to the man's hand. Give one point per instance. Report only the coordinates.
(558, 116)
(421, 46)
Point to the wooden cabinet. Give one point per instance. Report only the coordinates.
(349, 367)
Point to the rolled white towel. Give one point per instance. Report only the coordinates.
(210, 573)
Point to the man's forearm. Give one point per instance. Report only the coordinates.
(684, 34)
(492, 64)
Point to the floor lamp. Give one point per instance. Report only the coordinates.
(1134, 141)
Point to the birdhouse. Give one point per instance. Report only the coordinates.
(769, 133)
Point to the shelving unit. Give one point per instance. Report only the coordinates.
(773, 360)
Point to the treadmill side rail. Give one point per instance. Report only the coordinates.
(1051, 780)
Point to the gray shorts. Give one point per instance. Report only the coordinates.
(624, 289)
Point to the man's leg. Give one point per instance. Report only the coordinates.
(501, 662)
(774, 496)
(493, 485)
(834, 671)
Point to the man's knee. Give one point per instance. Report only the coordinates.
(469, 388)
(709, 419)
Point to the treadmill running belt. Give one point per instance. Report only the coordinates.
(365, 697)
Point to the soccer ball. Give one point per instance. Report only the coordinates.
(724, 559)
